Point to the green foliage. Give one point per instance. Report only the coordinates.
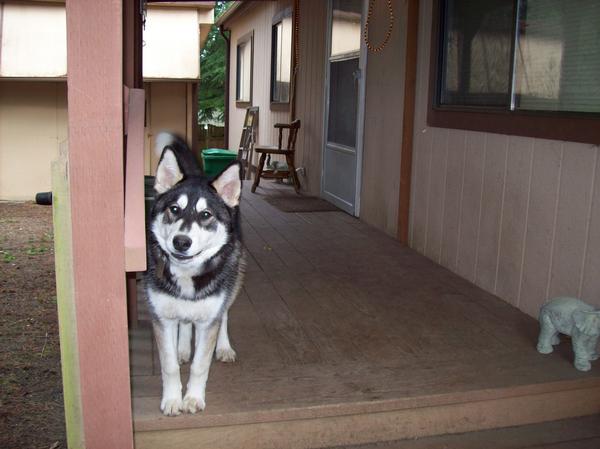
(211, 98)
(7, 256)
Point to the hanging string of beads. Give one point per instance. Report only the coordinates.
(388, 34)
(297, 34)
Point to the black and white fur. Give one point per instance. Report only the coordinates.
(195, 269)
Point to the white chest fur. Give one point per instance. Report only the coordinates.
(173, 308)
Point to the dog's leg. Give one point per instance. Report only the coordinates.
(206, 339)
(184, 343)
(225, 352)
(165, 332)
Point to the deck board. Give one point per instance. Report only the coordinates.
(336, 317)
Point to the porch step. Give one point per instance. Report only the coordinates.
(360, 421)
(574, 433)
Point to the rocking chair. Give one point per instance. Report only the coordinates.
(289, 151)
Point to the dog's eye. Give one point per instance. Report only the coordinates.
(205, 215)
(175, 210)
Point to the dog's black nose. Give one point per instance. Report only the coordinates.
(182, 242)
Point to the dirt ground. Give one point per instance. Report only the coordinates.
(31, 403)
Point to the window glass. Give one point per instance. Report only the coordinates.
(558, 56)
(345, 28)
(477, 49)
(281, 61)
(244, 71)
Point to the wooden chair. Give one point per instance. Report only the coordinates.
(249, 134)
(289, 151)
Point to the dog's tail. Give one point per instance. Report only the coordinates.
(185, 158)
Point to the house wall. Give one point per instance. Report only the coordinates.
(33, 122)
(310, 92)
(383, 103)
(383, 121)
(33, 38)
(518, 216)
(257, 18)
(171, 43)
(169, 107)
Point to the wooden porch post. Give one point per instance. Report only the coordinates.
(95, 184)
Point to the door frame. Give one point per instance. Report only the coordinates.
(360, 113)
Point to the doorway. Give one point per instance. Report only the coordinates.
(344, 105)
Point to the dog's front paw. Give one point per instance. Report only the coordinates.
(171, 406)
(226, 355)
(192, 404)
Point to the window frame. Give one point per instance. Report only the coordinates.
(247, 38)
(556, 125)
(277, 19)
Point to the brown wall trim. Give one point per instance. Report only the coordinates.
(572, 127)
(410, 82)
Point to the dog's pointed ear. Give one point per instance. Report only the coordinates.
(228, 184)
(168, 172)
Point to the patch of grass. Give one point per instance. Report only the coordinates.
(36, 250)
(7, 256)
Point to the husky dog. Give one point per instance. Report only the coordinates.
(195, 269)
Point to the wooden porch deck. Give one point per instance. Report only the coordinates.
(345, 337)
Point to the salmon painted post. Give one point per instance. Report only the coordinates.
(92, 290)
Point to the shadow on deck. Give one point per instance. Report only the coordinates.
(345, 337)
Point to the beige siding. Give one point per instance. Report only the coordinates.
(33, 121)
(257, 18)
(168, 108)
(383, 103)
(383, 121)
(518, 216)
(311, 91)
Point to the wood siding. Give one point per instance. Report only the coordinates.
(258, 19)
(310, 92)
(518, 216)
(383, 102)
(383, 121)
(310, 82)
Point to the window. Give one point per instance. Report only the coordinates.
(281, 58)
(243, 88)
(526, 67)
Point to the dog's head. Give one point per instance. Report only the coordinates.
(193, 217)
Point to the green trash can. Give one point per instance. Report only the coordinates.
(214, 160)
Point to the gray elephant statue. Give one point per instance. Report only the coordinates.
(573, 317)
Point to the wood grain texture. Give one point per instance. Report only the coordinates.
(528, 220)
(346, 336)
(575, 433)
(96, 178)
